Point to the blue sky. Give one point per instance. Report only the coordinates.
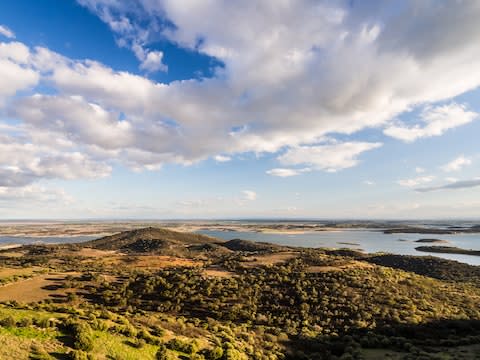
(182, 109)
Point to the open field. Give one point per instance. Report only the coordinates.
(7, 272)
(348, 266)
(268, 259)
(150, 291)
(37, 288)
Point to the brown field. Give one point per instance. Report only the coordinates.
(218, 273)
(36, 288)
(269, 259)
(12, 254)
(148, 261)
(7, 272)
(161, 261)
(92, 253)
(351, 265)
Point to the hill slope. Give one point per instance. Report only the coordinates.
(148, 240)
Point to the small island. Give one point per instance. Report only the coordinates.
(432, 241)
(436, 231)
(448, 250)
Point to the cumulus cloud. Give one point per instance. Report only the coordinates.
(286, 95)
(13, 72)
(435, 121)
(415, 181)
(457, 164)
(130, 35)
(5, 31)
(24, 161)
(462, 184)
(222, 158)
(152, 62)
(330, 158)
(33, 194)
(282, 172)
(343, 69)
(249, 195)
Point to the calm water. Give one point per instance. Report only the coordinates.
(367, 240)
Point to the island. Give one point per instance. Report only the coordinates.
(447, 250)
(433, 241)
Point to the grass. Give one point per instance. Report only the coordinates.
(16, 343)
(112, 346)
(19, 314)
(30, 333)
(12, 347)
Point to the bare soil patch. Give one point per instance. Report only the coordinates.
(8, 272)
(269, 259)
(12, 254)
(218, 273)
(47, 286)
(95, 253)
(351, 265)
(157, 261)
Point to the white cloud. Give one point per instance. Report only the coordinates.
(457, 164)
(415, 181)
(5, 31)
(249, 195)
(419, 170)
(436, 120)
(130, 35)
(32, 194)
(13, 72)
(337, 72)
(222, 158)
(369, 182)
(24, 160)
(330, 158)
(462, 184)
(282, 172)
(152, 62)
(451, 179)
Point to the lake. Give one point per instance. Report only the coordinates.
(368, 240)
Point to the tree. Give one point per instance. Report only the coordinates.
(162, 353)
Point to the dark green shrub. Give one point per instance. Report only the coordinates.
(162, 353)
(82, 336)
(182, 346)
(9, 321)
(78, 355)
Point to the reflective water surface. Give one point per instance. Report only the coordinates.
(367, 240)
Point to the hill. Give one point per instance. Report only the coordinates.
(430, 266)
(148, 239)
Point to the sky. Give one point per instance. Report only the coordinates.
(187, 109)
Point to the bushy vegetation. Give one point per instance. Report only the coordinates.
(313, 304)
